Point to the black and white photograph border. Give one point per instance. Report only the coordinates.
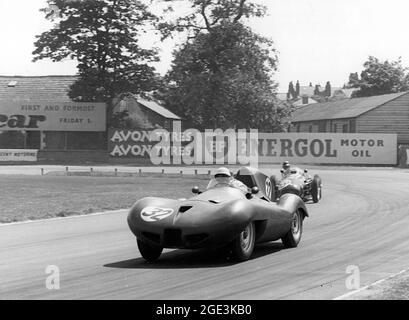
(203, 150)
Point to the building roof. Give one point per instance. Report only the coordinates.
(55, 88)
(347, 108)
(154, 106)
(341, 91)
(40, 88)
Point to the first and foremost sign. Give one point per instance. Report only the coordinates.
(52, 116)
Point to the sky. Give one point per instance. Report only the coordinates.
(317, 40)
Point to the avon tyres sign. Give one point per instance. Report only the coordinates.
(129, 144)
(345, 148)
(138, 144)
(52, 116)
(18, 155)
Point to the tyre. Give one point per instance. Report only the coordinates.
(293, 237)
(243, 245)
(149, 251)
(316, 189)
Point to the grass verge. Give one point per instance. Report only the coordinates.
(396, 288)
(41, 197)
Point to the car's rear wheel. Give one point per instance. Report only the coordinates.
(149, 252)
(316, 189)
(243, 245)
(293, 237)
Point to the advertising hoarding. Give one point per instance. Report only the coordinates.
(307, 148)
(18, 155)
(52, 116)
(328, 148)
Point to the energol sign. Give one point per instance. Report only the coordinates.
(346, 148)
(52, 116)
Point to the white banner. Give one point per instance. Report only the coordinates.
(328, 148)
(52, 116)
(18, 155)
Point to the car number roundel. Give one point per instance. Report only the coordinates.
(152, 214)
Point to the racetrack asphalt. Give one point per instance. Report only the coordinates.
(362, 220)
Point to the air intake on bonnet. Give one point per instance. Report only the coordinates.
(184, 208)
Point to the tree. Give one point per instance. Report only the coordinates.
(354, 80)
(207, 14)
(379, 77)
(102, 35)
(221, 76)
(222, 79)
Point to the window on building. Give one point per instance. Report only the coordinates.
(59, 140)
(54, 140)
(345, 128)
(12, 84)
(33, 140)
(12, 140)
(86, 141)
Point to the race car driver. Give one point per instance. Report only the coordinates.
(286, 168)
(224, 177)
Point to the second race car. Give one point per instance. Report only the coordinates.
(297, 181)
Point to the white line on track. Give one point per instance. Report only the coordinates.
(68, 217)
(351, 293)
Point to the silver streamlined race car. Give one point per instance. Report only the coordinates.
(299, 182)
(220, 216)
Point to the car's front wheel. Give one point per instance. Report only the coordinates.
(149, 252)
(293, 237)
(243, 245)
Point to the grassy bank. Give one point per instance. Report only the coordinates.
(40, 197)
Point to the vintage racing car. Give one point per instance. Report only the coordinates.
(217, 217)
(299, 182)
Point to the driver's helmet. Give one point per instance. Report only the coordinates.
(222, 176)
(286, 165)
(222, 173)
